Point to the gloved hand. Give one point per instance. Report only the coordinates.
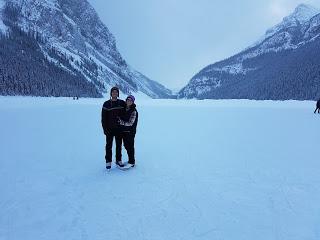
(119, 121)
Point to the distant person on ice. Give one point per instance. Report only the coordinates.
(317, 107)
(109, 118)
(128, 121)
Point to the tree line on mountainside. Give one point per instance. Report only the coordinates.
(290, 74)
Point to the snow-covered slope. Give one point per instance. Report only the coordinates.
(289, 34)
(301, 15)
(3, 27)
(248, 170)
(297, 32)
(75, 31)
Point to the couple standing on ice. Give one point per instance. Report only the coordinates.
(119, 120)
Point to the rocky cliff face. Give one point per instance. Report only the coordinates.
(71, 30)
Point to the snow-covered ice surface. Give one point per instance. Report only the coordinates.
(205, 170)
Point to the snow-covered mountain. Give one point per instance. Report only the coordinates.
(70, 34)
(283, 64)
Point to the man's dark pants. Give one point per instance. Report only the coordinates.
(110, 134)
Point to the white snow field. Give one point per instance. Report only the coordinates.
(231, 170)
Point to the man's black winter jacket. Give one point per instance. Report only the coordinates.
(110, 113)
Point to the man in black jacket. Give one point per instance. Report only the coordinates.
(109, 119)
(317, 107)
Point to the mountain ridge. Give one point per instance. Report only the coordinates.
(245, 70)
(77, 34)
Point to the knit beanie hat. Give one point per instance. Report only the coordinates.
(131, 97)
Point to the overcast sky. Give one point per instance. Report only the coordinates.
(171, 40)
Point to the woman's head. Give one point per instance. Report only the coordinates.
(130, 100)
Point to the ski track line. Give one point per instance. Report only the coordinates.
(275, 222)
(74, 197)
(285, 196)
(289, 204)
(205, 233)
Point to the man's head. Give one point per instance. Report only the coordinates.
(114, 93)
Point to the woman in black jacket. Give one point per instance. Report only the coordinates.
(128, 121)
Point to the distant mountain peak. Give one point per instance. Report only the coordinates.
(303, 13)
